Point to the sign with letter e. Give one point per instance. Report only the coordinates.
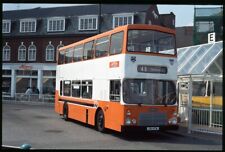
(211, 37)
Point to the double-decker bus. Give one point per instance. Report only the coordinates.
(123, 79)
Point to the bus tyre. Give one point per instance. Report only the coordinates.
(100, 121)
(65, 111)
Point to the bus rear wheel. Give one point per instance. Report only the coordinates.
(100, 121)
(65, 111)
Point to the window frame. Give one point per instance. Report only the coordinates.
(88, 17)
(28, 21)
(123, 15)
(6, 52)
(208, 23)
(52, 19)
(34, 50)
(22, 52)
(47, 55)
(8, 27)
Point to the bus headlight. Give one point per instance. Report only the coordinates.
(128, 121)
(134, 121)
(128, 113)
(173, 121)
(174, 114)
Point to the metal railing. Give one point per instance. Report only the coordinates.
(29, 98)
(203, 121)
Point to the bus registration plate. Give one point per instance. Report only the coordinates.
(152, 128)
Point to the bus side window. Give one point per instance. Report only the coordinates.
(60, 57)
(102, 47)
(69, 56)
(116, 43)
(67, 88)
(87, 89)
(88, 50)
(78, 53)
(114, 90)
(76, 88)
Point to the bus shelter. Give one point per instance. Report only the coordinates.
(199, 84)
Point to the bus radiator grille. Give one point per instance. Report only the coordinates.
(152, 119)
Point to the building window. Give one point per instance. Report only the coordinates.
(56, 24)
(6, 26)
(205, 26)
(28, 25)
(32, 52)
(6, 52)
(22, 52)
(88, 22)
(60, 45)
(50, 51)
(122, 19)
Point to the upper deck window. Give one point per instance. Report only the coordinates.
(88, 50)
(150, 41)
(69, 56)
(56, 24)
(102, 47)
(28, 25)
(6, 26)
(78, 53)
(116, 43)
(61, 57)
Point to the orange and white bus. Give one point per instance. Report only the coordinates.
(123, 79)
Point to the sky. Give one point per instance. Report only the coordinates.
(184, 13)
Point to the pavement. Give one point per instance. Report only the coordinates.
(183, 131)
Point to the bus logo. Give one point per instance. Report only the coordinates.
(114, 64)
(133, 58)
(171, 61)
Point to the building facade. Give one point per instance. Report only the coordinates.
(31, 38)
(184, 36)
(207, 20)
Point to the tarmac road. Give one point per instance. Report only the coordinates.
(42, 128)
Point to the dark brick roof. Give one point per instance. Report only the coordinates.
(73, 10)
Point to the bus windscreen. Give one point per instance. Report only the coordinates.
(151, 41)
(150, 92)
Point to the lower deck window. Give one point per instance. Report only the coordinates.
(67, 88)
(115, 90)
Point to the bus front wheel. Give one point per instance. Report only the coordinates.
(100, 121)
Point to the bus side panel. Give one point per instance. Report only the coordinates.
(57, 101)
(91, 116)
(77, 112)
(82, 113)
(114, 115)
